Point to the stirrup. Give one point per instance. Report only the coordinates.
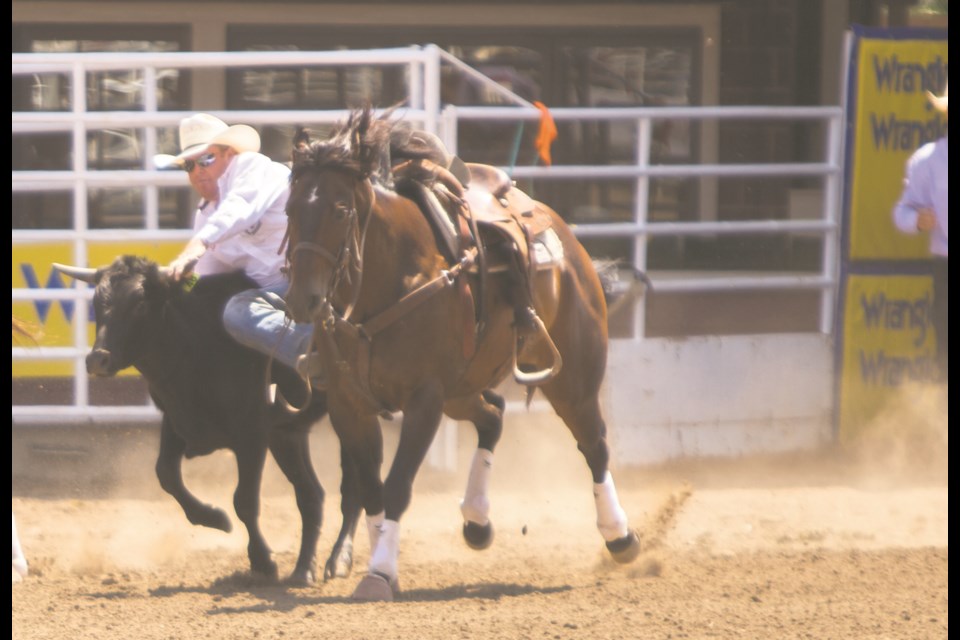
(525, 322)
(533, 378)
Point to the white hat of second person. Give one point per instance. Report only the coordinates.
(201, 131)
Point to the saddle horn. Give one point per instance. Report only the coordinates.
(86, 274)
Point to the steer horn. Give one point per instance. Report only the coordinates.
(78, 273)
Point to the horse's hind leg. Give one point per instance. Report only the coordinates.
(486, 412)
(582, 416)
(291, 449)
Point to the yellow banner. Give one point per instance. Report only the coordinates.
(893, 118)
(888, 342)
(32, 269)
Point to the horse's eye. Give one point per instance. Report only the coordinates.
(342, 210)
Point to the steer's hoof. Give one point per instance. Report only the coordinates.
(375, 588)
(625, 549)
(266, 571)
(478, 537)
(213, 518)
(302, 578)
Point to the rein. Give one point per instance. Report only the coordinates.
(331, 328)
(349, 254)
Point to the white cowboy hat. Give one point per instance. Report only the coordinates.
(198, 132)
(939, 102)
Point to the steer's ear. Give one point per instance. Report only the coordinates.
(78, 273)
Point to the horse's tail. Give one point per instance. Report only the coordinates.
(622, 284)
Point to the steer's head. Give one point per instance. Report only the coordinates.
(127, 301)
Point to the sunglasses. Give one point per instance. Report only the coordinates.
(205, 160)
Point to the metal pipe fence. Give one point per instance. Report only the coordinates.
(423, 76)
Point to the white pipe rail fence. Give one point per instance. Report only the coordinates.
(424, 107)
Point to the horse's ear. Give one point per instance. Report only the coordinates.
(365, 122)
(301, 139)
(301, 146)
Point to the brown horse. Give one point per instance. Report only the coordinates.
(356, 250)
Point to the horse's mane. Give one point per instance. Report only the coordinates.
(365, 145)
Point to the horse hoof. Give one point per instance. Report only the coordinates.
(625, 549)
(478, 537)
(375, 588)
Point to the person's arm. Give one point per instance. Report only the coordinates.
(914, 211)
(184, 263)
(252, 186)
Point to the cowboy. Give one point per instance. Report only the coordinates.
(240, 224)
(922, 208)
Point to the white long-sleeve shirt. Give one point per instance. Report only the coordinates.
(246, 227)
(925, 186)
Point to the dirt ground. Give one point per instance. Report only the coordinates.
(833, 544)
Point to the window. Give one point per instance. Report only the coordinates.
(599, 67)
(108, 149)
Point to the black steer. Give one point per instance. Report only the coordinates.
(212, 394)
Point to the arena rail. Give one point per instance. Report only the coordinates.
(424, 106)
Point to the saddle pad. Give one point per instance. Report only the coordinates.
(546, 250)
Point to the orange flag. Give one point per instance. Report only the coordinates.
(547, 133)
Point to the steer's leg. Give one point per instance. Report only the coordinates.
(486, 412)
(361, 443)
(291, 449)
(421, 417)
(340, 562)
(246, 500)
(171, 480)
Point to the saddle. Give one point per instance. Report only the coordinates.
(492, 203)
(465, 216)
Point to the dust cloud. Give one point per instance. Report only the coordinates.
(907, 440)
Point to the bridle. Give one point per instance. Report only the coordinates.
(347, 259)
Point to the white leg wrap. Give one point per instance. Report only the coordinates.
(374, 524)
(611, 518)
(19, 562)
(384, 558)
(475, 505)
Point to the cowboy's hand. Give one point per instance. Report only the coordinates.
(183, 264)
(926, 220)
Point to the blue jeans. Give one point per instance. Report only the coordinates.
(256, 318)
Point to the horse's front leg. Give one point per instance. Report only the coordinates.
(170, 474)
(421, 417)
(485, 411)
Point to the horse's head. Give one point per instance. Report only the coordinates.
(129, 297)
(331, 196)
